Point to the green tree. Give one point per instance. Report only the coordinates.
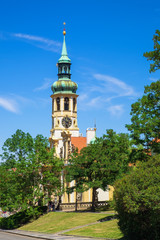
(145, 126)
(137, 199)
(30, 171)
(16, 190)
(155, 54)
(8, 188)
(99, 164)
(17, 148)
(50, 167)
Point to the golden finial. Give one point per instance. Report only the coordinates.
(64, 30)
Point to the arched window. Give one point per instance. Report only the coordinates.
(74, 104)
(60, 69)
(58, 103)
(66, 104)
(65, 69)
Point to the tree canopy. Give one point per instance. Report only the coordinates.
(137, 200)
(100, 163)
(155, 54)
(145, 126)
(137, 194)
(30, 172)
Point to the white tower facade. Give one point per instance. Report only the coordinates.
(64, 107)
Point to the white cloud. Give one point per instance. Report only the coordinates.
(36, 38)
(9, 104)
(47, 84)
(82, 97)
(116, 110)
(103, 91)
(23, 100)
(113, 84)
(44, 101)
(16, 103)
(153, 79)
(40, 42)
(94, 102)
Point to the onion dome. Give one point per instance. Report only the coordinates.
(65, 86)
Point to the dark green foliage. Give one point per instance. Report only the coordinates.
(17, 148)
(145, 126)
(137, 198)
(22, 217)
(100, 164)
(155, 54)
(30, 172)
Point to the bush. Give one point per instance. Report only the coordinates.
(22, 217)
(137, 199)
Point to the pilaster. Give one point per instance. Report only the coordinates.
(62, 105)
(54, 104)
(71, 104)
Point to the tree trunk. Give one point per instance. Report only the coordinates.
(40, 201)
(93, 199)
(59, 202)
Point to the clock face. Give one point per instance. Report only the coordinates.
(66, 122)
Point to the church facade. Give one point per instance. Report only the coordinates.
(65, 135)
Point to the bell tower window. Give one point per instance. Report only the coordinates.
(74, 104)
(58, 104)
(60, 69)
(66, 104)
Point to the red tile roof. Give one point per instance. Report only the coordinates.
(79, 142)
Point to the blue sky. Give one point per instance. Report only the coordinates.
(105, 41)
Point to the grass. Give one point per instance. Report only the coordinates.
(107, 229)
(54, 222)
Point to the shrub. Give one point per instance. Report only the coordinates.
(137, 199)
(22, 217)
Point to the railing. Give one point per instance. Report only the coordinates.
(80, 205)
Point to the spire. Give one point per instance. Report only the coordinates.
(64, 83)
(64, 56)
(64, 49)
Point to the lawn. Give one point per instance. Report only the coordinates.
(108, 229)
(54, 222)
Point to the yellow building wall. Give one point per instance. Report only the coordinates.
(86, 196)
(111, 190)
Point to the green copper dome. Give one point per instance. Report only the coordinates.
(65, 86)
(64, 83)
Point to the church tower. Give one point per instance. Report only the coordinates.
(65, 136)
(64, 107)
